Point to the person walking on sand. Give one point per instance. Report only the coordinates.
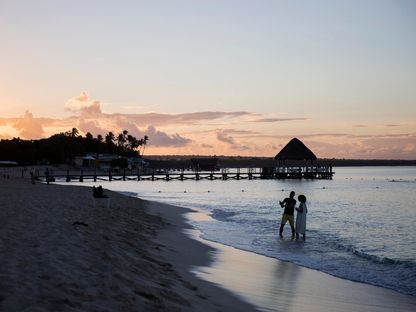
(288, 204)
(302, 210)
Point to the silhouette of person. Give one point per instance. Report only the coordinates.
(47, 175)
(32, 176)
(97, 192)
(302, 210)
(288, 204)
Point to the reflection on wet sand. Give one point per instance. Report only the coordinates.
(274, 285)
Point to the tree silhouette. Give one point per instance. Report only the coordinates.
(109, 138)
(63, 147)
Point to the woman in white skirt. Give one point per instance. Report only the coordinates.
(302, 210)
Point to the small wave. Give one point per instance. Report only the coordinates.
(131, 194)
(373, 258)
(382, 260)
(222, 215)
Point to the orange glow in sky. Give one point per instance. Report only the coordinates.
(226, 78)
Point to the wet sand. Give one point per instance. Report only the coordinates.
(274, 285)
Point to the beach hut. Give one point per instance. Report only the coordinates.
(295, 150)
(296, 160)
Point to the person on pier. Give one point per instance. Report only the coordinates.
(288, 204)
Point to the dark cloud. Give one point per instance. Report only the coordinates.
(157, 138)
(160, 138)
(391, 125)
(360, 126)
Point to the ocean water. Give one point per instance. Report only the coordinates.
(360, 225)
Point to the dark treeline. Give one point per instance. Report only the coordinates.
(63, 147)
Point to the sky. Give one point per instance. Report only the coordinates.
(214, 77)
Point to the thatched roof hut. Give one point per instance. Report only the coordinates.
(295, 150)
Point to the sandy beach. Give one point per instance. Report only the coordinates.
(59, 252)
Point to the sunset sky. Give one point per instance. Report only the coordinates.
(214, 77)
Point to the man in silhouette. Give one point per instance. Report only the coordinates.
(289, 205)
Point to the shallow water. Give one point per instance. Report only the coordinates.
(360, 225)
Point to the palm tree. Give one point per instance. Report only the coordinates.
(142, 142)
(109, 138)
(74, 132)
(132, 142)
(121, 140)
(99, 138)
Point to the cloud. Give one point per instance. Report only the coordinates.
(28, 126)
(160, 138)
(159, 119)
(75, 103)
(277, 119)
(222, 136)
(83, 105)
(92, 110)
(225, 137)
(201, 131)
(5, 136)
(374, 147)
(90, 126)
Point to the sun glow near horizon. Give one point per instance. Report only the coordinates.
(231, 78)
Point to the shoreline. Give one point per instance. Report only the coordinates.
(59, 252)
(139, 254)
(275, 285)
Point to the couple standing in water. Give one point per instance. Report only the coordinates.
(289, 204)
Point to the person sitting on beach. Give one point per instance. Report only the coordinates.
(97, 192)
(302, 210)
(288, 204)
(47, 175)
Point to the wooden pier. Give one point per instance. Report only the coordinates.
(279, 173)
